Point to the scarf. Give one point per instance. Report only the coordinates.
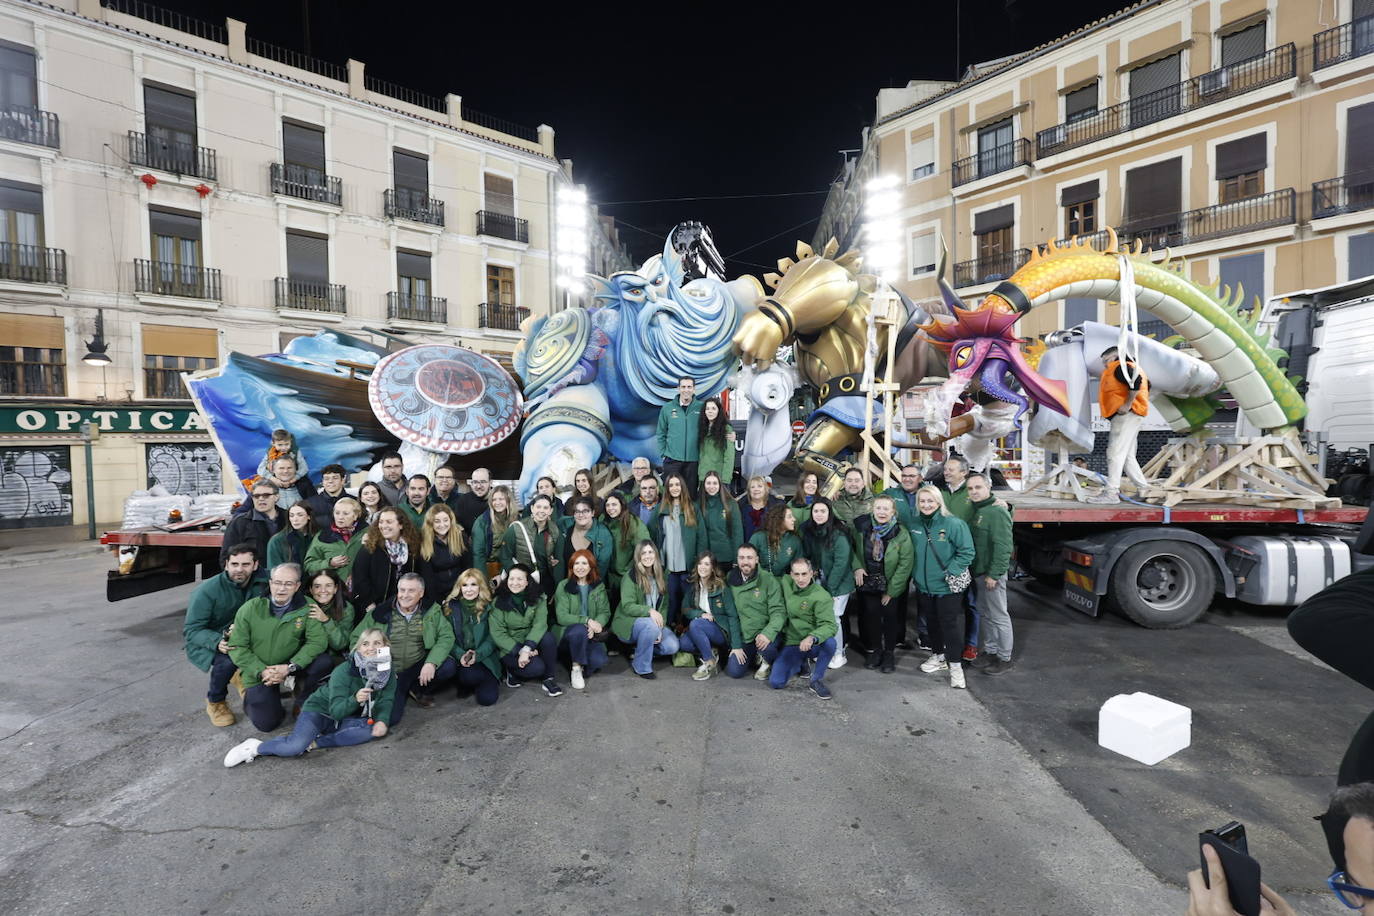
(397, 551)
(584, 591)
(877, 545)
(343, 533)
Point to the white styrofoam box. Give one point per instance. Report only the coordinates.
(1144, 727)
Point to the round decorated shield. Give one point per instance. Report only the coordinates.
(445, 399)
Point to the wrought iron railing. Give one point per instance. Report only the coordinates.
(1347, 194)
(409, 307)
(502, 226)
(990, 269)
(1344, 42)
(401, 93)
(296, 59)
(406, 203)
(164, 278)
(33, 264)
(491, 122)
(1273, 66)
(30, 125)
(991, 161)
(172, 20)
(1097, 240)
(306, 183)
(179, 158)
(1249, 214)
(501, 317)
(312, 297)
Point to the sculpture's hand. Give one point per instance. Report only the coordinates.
(757, 340)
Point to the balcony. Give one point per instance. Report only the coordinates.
(407, 203)
(1344, 42)
(503, 226)
(30, 125)
(991, 161)
(501, 317)
(1347, 194)
(177, 158)
(310, 297)
(990, 269)
(306, 183)
(32, 264)
(188, 281)
(1250, 214)
(407, 307)
(1271, 67)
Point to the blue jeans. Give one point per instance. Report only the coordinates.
(583, 650)
(262, 702)
(702, 634)
(790, 662)
(483, 684)
(735, 669)
(971, 616)
(677, 585)
(222, 670)
(319, 728)
(643, 634)
(409, 680)
(540, 666)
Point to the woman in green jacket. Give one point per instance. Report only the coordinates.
(715, 443)
(626, 531)
(882, 570)
(337, 547)
(348, 709)
(641, 621)
(825, 542)
(582, 614)
(711, 617)
(479, 662)
(808, 488)
(674, 528)
(943, 547)
(777, 541)
(290, 544)
(520, 629)
(489, 530)
(719, 518)
(327, 605)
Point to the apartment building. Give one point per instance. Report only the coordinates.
(1237, 133)
(200, 192)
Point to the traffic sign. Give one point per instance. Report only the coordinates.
(798, 427)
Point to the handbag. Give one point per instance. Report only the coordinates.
(874, 583)
(956, 583)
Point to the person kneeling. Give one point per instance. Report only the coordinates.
(582, 612)
(810, 630)
(520, 629)
(709, 608)
(421, 644)
(759, 607)
(351, 708)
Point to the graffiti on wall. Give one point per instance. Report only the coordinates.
(185, 468)
(35, 486)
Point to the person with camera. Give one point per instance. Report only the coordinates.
(942, 550)
(351, 708)
(421, 642)
(882, 563)
(209, 616)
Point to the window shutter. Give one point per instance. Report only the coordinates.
(26, 198)
(1242, 45)
(169, 109)
(923, 152)
(1246, 270)
(500, 194)
(18, 77)
(923, 253)
(1080, 103)
(1078, 193)
(168, 340)
(174, 224)
(992, 220)
(412, 171)
(302, 145)
(307, 257)
(1154, 190)
(410, 264)
(1359, 139)
(32, 331)
(1155, 76)
(1248, 154)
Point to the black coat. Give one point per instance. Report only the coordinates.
(469, 507)
(442, 570)
(322, 507)
(250, 527)
(374, 578)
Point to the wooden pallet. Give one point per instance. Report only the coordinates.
(1271, 471)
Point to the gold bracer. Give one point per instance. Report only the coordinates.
(811, 294)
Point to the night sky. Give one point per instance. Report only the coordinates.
(661, 101)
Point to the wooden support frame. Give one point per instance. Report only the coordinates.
(1270, 471)
(876, 452)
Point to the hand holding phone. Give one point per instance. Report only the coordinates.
(1242, 873)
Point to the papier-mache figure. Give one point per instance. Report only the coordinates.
(1124, 396)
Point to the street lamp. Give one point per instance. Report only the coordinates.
(571, 252)
(882, 228)
(95, 349)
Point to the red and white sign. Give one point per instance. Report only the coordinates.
(798, 427)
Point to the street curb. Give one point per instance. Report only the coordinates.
(16, 558)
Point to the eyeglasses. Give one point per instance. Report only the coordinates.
(263, 495)
(1352, 895)
(582, 512)
(291, 584)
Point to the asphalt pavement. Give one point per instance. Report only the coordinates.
(672, 796)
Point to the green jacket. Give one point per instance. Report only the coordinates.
(958, 504)
(287, 547)
(633, 605)
(338, 632)
(942, 544)
(810, 612)
(260, 640)
(801, 513)
(833, 570)
(718, 458)
(602, 547)
(676, 433)
(483, 550)
(758, 604)
(416, 518)
(906, 511)
(212, 608)
(624, 553)
(516, 549)
(516, 621)
(722, 606)
(472, 632)
(437, 633)
(991, 530)
(693, 538)
(848, 508)
(327, 545)
(337, 697)
(777, 562)
(567, 607)
(897, 555)
(719, 534)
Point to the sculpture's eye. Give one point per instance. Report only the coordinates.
(659, 281)
(962, 356)
(634, 293)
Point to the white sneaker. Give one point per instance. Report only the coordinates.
(762, 673)
(242, 753)
(704, 671)
(288, 684)
(578, 681)
(934, 663)
(956, 676)
(839, 660)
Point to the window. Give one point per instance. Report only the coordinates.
(169, 351)
(1081, 103)
(995, 149)
(923, 254)
(992, 232)
(302, 146)
(1242, 44)
(284, 339)
(412, 274)
(302, 172)
(1154, 198)
(33, 356)
(176, 268)
(1080, 208)
(1244, 271)
(1359, 154)
(18, 78)
(1361, 262)
(922, 158)
(21, 230)
(500, 194)
(1077, 311)
(1155, 90)
(500, 285)
(38, 486)
(307, 258)
(170, 116)
(1240, 167)
(411, 175)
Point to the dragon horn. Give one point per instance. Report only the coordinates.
(947, 293)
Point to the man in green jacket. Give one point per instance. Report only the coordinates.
(854, 500)
(676, 434)
(209, 617)
(810, 630)
(421, 643)
(991, 530)
(275, 638)
(416, 503)
(762, 614)
(904, 495)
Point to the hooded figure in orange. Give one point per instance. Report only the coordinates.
(1124, 396)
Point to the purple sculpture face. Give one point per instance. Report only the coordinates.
(991, 360)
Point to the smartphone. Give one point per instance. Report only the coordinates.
(1242, 871)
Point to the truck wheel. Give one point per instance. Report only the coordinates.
(1163, 585)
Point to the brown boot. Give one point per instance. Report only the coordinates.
(220, 714)
(237, 683)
